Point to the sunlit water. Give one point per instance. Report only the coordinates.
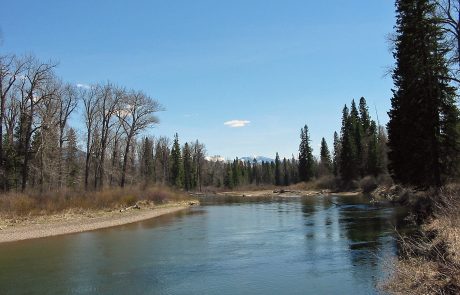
(324, 245)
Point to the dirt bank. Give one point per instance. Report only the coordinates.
(74, 221)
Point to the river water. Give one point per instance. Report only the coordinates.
(319, 245)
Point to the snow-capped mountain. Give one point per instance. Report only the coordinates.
(259, 159)
(215, 158)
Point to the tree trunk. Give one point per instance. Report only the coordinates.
(25, 166)
(88, 156)
(125, 160)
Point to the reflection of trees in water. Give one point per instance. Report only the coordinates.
(370, 231)
(348, 227)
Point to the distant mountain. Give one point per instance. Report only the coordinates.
(259, 159)
(216, 158)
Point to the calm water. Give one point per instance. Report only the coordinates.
(324, 245)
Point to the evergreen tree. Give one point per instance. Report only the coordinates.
(187, 159)
(255, 172)
(236, 172)
(356, 131)
(364, 117)
(306, 161)
(336, 157)
(347, 165)
(293, 170)
(147, 161)
(286, 181)
(372, 165)
(421, 133)
(325, 158)
(72, 159)
(277, 170)
(176, 163)
(228, 176)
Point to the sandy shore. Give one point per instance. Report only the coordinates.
(78, 221)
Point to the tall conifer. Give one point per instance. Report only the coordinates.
(422, 139)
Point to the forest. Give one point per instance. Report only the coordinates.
(41, 150)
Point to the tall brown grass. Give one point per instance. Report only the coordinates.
(430, 260)
(34, 203)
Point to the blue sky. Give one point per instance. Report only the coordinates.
(277, 64)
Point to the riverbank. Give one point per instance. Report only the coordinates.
(429, 262)
(79, 220)
(286, 193)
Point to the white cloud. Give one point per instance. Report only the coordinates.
(86, 86)
(237, 123)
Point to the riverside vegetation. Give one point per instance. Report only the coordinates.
(44, 170)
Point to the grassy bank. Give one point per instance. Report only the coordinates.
(430, 259)
(16, 205)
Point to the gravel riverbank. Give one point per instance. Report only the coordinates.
(74, 221)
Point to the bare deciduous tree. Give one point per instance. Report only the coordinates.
(109, 99)
(90, 103)
(33, 91)
(448, 14)
(136, 112)
(67, 101)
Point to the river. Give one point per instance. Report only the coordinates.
(315, 245)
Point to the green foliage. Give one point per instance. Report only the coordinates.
(187, 158)
(325, 164)
(423, 139)
(277, 170)
(147, 161)
(72, 159)
(306, 161)
(177, 170)
(286, 178)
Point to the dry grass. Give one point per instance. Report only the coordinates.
(430, 261)
(324, 182)
(32, 203)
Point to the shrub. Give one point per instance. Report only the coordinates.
(368, 184)
(129, 200)
(430, 263)
(326, 182)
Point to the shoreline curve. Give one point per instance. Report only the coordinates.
(82, 223)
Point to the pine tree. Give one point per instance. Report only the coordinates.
(356, 131)
(293, 170)
(347, 165)
(286, 180)
(255, 172)
(364, 117)
(176, 163)
(187, 159)
(228, 176)
(306, 161)
(325, 158)
(71, 158)
(336, 157)
(236, 172)
(421, 133)
(147, 161)
(277, 170)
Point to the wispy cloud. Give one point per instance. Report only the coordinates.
(237, 123)
(86, 86)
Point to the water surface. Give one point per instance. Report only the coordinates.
(323, 245)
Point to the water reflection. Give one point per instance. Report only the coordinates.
(319, 245)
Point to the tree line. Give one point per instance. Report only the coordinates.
(39, 149)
